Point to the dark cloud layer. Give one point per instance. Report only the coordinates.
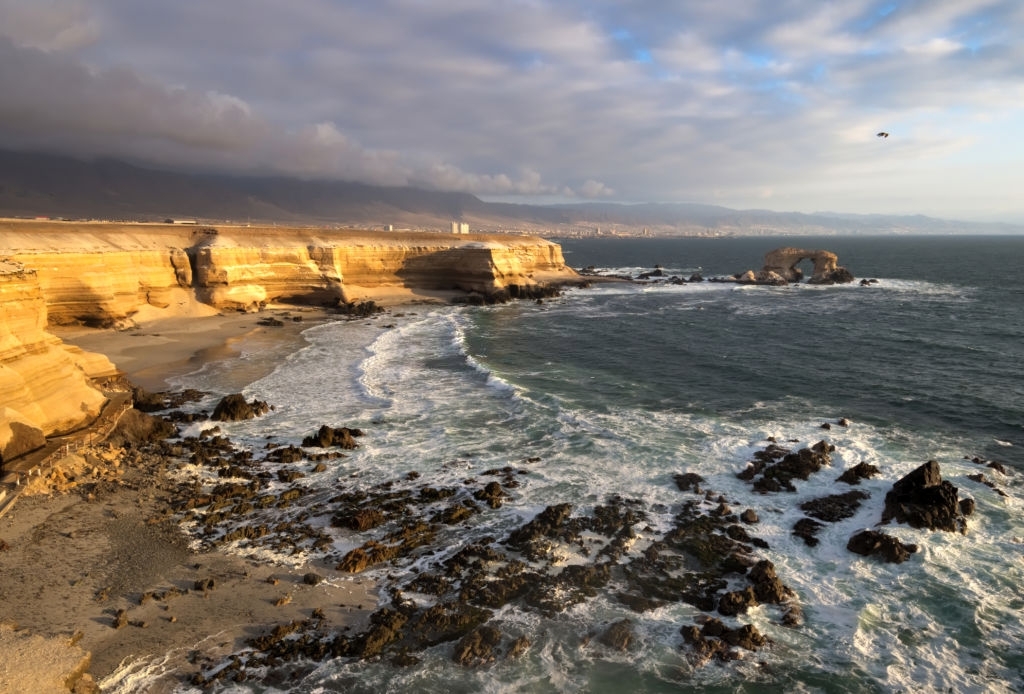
(754, 104)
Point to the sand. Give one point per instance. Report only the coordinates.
(69, 561)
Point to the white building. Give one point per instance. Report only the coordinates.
(460, 228)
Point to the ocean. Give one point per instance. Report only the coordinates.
(612, 390)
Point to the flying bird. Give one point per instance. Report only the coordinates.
(883, 134)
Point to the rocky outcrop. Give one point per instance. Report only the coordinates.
(781, 268)
(234, 408)
(44, 388)
(105, 274)
(922, 499)
(873, 543)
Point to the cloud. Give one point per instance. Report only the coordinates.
(49, 25)
(597, 99)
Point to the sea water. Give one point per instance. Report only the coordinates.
(615, 388)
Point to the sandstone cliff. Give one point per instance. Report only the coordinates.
(44, 386)
(104, 274)
(109, 275)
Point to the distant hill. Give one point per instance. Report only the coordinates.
(33, 184)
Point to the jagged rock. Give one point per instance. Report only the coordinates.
(477, 647)
(737, 602)
(860, 471)
(326, 437)
(492, 494)
(518, 648)
(234, 408)
(136, 427)
(799, 465)
(807, 530)
(922, 499)
(688, 482)
(873, 543)
(766, 584)
(619, 635)
(746, 636)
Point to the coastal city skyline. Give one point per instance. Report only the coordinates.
(769, 107)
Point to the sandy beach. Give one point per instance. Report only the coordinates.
(105, 542)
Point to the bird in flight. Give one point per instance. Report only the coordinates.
(883, 134)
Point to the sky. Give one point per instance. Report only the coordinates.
(767, 104)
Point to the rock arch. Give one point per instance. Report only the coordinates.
(783, 262)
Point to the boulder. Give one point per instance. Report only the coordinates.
(860, 471)
(234, 408)
(326, 437)
(619, 635)
(873, 543)
(922, 499)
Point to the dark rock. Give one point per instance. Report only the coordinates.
(807, 530)
(749, 517)
(312, 579)
(768, 589)
(746, 636)
(639, 603)
(873, 543)
(799, 465)
(860, 471)
(359, 520)
(518, 648)
(967, 507)
(363, 309)
(477, 647)
(619, 635)
(204, 584)
(689, 482)
(234, 408)
(737, 602)
(492, 494)
(922, 499)
(327, 437)
(835, 507)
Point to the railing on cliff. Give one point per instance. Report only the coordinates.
(97, 433)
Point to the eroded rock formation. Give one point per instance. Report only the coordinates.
(104, 274)
(781, 267)
(784, 261)
(44, 385)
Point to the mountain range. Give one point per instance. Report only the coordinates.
(47, 185)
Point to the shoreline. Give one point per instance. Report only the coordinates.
(99, 536)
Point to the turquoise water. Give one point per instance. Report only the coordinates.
(616, 388)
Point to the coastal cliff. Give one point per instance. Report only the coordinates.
(115, 275)
(45, 385)
(105, 274)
